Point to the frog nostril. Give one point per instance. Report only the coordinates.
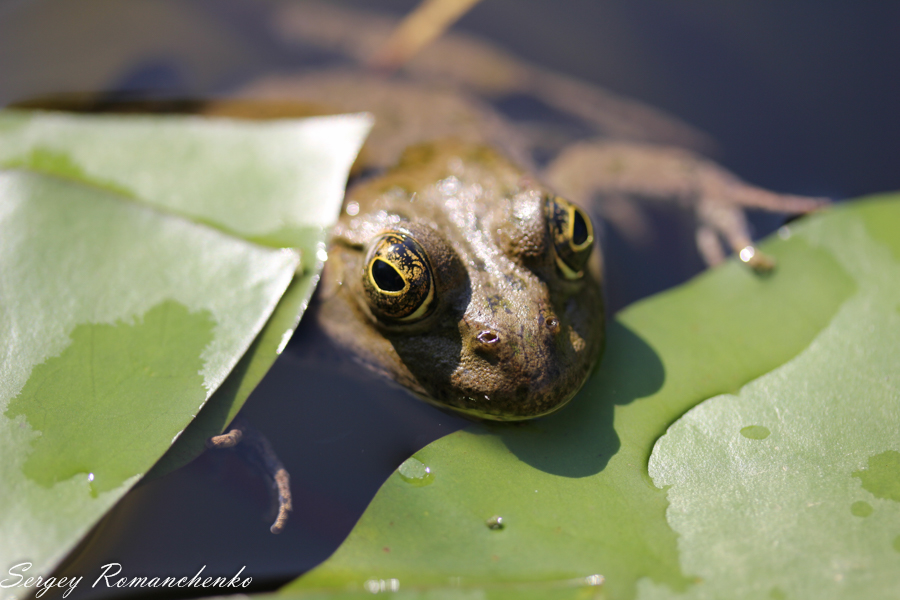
(552, 324)
(488, 338)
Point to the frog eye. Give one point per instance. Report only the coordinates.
(572, 235)
(398, 280)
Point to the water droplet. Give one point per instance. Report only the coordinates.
(594, 580)
(90, 476)
(755, 432)
(374, 586)
(353, 208)
(861, 509)
(747, 253)
(495, 522)
(416, 472)
(449, 186)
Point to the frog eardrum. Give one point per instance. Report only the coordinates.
(572, 235)
(398, 279)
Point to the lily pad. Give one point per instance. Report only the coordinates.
(121, 316)
(573, 489)
(119, 323)
(822, 492)
(277, 183)
(269, 181)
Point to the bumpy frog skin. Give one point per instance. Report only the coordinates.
(465, 280)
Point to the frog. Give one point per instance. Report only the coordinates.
(460, 276)
(465, 265)
(458, 194)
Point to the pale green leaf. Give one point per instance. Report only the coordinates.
(121, 317)
(813, 509)
(119, 322)
(269, 181)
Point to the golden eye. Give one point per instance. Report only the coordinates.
(398, 280)
(572, 235)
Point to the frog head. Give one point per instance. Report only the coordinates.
(464, 279)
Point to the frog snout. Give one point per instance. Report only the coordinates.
(514, 371)
(517, 341)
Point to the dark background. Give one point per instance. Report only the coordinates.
(801, 97)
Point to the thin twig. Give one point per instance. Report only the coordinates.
(423, 25)
(254, 448)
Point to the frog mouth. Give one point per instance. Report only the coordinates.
(505, 407)
(509, 392)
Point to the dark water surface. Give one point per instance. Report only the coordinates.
(801, 97)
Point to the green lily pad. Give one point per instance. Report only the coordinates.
(573, 489)
(822, 492)
(587, 588)
(119, 323)
(127, 296)
(269, 181)
(277, 183)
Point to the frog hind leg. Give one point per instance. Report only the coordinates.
(588, 172)
(253, 447)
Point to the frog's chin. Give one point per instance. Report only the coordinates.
(480, 413)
